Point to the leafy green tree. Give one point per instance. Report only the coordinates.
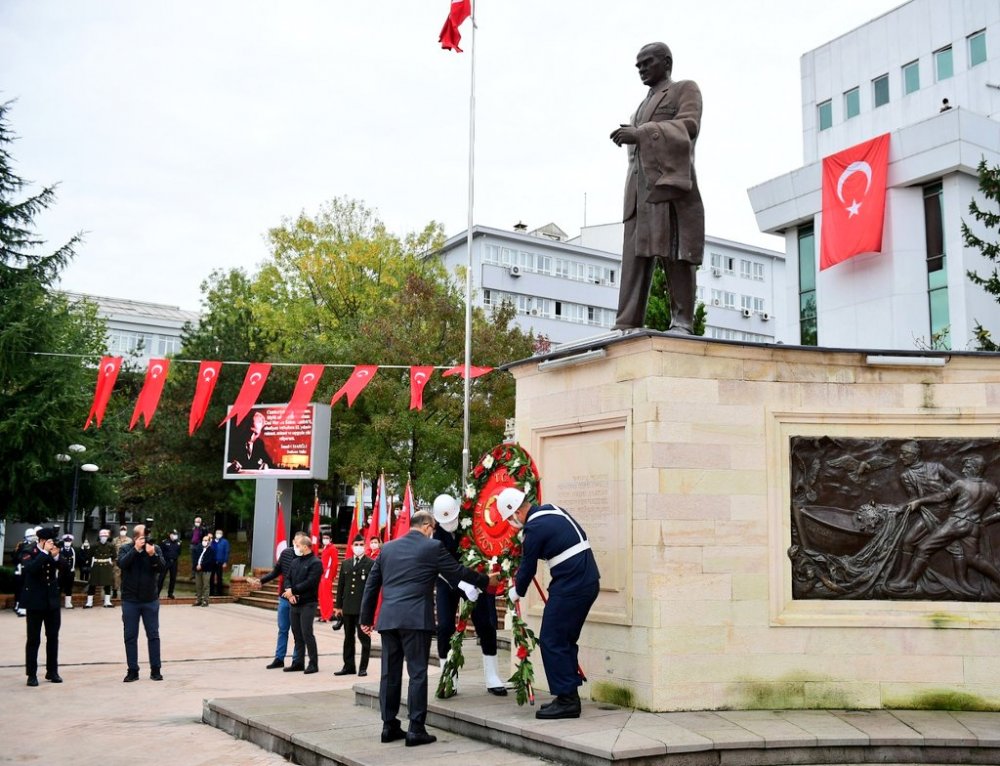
(44, 394)
(989, 185)
(658, 307)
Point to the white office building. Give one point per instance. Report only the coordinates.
(927, 73)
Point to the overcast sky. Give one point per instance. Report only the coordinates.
(181, 131)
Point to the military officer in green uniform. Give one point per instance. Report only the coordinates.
(102, 569)
(350, 587)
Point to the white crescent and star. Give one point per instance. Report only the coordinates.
(209, 374)
(156, 369)
(308, 378)
(420, 377)
(363, 373)
(109, 368)
(255, 378)
(854, 167)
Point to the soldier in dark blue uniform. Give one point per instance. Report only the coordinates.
(40, 564)
(553, 535)
(351, 580)
(171, 549)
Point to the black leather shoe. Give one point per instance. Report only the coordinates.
(295, 668)
(498, 691)
(275, 664)
(32, 681)
(345, 672)
(392, 733)
(311, 669)
(416, 738)
(154, 674)
(53, 677)
(362, 673)
(130, 677)
(560, 707)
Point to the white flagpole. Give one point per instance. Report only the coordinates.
(468, 253)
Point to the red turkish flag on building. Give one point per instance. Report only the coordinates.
(360, 377)
(474, 372)
(854, 183)
(309, 376)
(107, 374)
(208, 376)
(418, 379)
(149, 396)
(450, 37)
(250, 392)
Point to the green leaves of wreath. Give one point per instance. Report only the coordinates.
(518, 464)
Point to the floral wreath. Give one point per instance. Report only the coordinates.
(488, 543)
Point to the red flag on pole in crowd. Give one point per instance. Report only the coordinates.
(360, 377)
(450, 37)
(253, 384)
(372, 530)
(309, 376)
(403, 522)
(314, 529)
(280, 541)
(107, 374)
(208, 376)
(854, 183)
(149, 396)
(418, 379)
(459, 369)
(358, 517)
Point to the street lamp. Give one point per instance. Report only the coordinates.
(76, 450)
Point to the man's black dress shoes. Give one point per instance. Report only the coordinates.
(563, 706)
(416, 738)
(392, 733)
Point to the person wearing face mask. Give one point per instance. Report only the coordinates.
(484, 614)
(40, 564)
(354, 573)
(102, 573)
(67, 570)
(86, 557)
(30, 538)
(119, 542)
(302, 591)
(374, 548)
(280, 572)
(171, 549)
(330, 558)
(194, 536)
(552, 535)
(204, 565)
(221, 547)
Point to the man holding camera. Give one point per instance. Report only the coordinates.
(141, 564)
(40, 597)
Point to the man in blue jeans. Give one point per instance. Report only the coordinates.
(281, 569)
(141, 563)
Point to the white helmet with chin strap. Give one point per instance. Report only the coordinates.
(446, 512)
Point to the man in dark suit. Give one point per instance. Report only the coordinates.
(354, 573)
(40, 597)
(405, 573)
(664, 215)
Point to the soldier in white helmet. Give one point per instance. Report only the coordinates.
(484, 615)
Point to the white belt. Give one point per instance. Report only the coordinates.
(573, 550)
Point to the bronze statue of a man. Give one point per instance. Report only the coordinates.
(664, 216)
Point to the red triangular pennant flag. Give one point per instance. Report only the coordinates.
(309, 376)
(253, 384)
(208, 376)
(360, 377)
(418, 379)
(403, 522)
(107, 374)
(854, 182)
(474, 372)
(149, 396)
(450, 37)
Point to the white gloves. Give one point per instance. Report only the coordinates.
(471, 591)
(512, 594)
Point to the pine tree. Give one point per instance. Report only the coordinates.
(989, 185)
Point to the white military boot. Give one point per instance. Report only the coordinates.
(494, 685)
(107, 601)
(90, 602)
(69, 602)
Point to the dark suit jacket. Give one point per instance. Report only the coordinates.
(351, 583)
(405, 572)
(41, 579)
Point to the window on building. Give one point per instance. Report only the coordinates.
(808, 334)
(758, 272)
(562, 268)
(977, 48)
(943, 65)
(911, 77)
(167, 345)
(937, 273)
(852, 103)
(487, 298)
(758, 305)
(825, 113)
(746, 302)
(729, 300)
(880, 91)
(543, 264)
(716, 259)
(730, 265)
(745, 268)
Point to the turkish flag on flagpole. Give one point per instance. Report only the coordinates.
(280, 541)
(208, 376)
(373, 526)
(450, 37)
(314, 530)
(358, 517)
(149, 396)
(854, 183)
(418, 379)
(360, 377)
(253, 384)
(309, 376)
(107, 374)
(403, 522)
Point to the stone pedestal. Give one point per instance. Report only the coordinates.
(674, 455)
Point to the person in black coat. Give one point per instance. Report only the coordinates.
(405, 573)
(354, 573)
(203, 564)
(67, 570)
(302, 592)
(40, 598)
(171, 549)
(281, 569)
(141, 563)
